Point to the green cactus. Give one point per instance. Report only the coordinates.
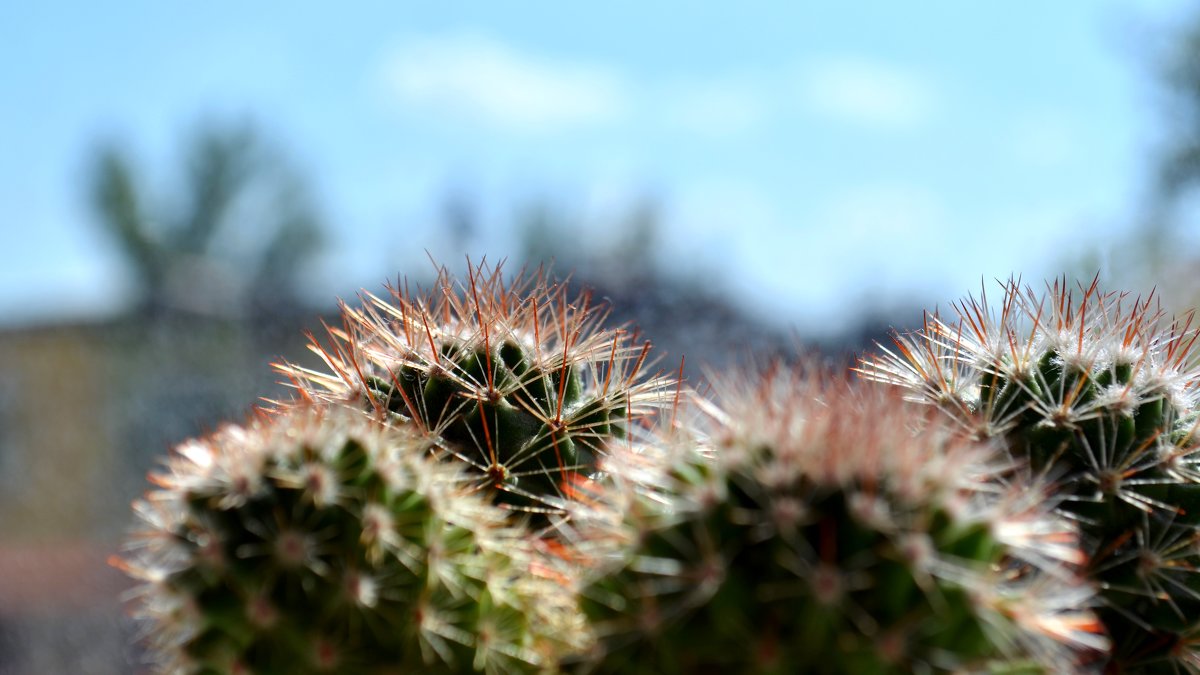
(321, 541)
(796, 526)
(815, 532)
(519, 384)
(1098, 392)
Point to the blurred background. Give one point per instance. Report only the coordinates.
(189, 186)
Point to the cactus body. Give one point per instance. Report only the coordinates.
(1096, 391)
(818, 534)
(522, 386)
(324, 542)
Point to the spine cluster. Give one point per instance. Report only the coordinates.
(1097, 392)
(485, 478)
(812, 529)
(521, 383)
(322, 542)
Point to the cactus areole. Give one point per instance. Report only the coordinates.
(521, 384)
(1097, 392)
(799, 539)
(319, 541)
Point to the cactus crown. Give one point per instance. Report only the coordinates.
(792, 523)
(1097, 391)
(814, 530)
(320, 541)
(521, 384)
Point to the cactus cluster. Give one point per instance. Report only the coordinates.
(795, 538)
(1096, 392)
(320, 541)
(484, 478)
(521, 384)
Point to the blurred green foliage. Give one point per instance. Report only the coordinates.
(237, 240)
(1155, 249)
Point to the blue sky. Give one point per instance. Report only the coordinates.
(810, 155)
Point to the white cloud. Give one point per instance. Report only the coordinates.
(734, 209)
(716, 108)
(868, 93)
(884, 214)
(487, 81)
(1044, 139)
(883, 233)
(899, 237)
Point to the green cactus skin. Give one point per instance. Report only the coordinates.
(519, 384)
(320, 541)
(815, 532)
(1097, 391)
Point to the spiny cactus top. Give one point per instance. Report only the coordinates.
(522, 384)
(1098, 392)
(322, 542)
(817, 531)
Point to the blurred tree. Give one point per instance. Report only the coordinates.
(682, 308)
(1155, 250)
(1179, 171)
(637, 242)
(617, 252)
(549, 234)
(239, 239)
(461, 220)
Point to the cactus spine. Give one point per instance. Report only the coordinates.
(796, 525)
(324, 542)
(814, 531)
(1097, 391)
(520, 384)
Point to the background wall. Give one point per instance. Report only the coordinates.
(187, 188)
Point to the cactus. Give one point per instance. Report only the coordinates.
(519, 384)
(1098, 392)
(379, 522)
(323, 541)
(813, 530)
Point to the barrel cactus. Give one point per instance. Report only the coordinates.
(814, 530)
(321, 541)
(520, 383)
(1096, 391)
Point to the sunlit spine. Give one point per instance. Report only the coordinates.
(520, 383)
(320, 541)
(800, 527)
(1096, 392)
